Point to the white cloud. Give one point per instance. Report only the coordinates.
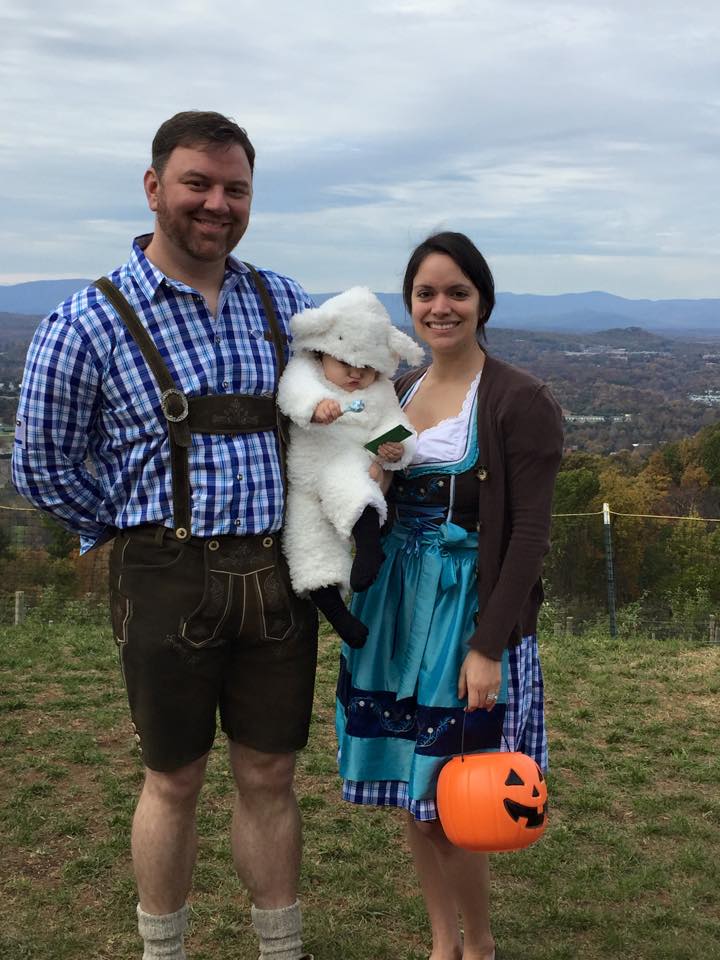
(577, 143)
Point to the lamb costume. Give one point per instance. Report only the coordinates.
(330, 493)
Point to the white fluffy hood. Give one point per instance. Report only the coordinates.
(355, 327)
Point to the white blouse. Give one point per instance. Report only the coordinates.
(446, 442)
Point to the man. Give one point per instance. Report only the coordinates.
(182, 433)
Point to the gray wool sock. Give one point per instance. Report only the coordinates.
(279, 932)
(163, 935)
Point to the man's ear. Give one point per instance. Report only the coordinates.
(151, 182)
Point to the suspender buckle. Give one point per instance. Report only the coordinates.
(174, 405)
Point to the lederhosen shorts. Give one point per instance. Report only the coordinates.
(204, 623)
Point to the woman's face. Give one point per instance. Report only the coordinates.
(445, 305)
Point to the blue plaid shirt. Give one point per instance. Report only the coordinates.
(91, 444)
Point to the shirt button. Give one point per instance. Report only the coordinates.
(226, 384)
(239, 476)
(217, 339)
(238, 522)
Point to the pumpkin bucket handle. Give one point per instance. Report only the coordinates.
(462, 739)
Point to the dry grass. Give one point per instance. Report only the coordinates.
(628, 867)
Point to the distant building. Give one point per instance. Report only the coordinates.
(711, 398)
(597, 418)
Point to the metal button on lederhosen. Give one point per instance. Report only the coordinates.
(246, 592)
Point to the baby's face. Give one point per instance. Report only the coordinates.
(345, 376)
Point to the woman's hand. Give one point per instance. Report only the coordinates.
(382, 477)
(376, 471)
(326, 411)
(391, 452)
(479, 681)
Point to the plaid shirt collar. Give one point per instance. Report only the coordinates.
(149, 278)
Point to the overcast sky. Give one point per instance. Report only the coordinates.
(577, 143)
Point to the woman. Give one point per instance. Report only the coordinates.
(451, 660)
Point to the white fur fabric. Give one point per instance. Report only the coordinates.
(354, 326)
(328, 481)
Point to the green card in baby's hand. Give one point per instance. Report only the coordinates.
(395, 435)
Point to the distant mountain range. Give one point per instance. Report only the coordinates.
(37, 298)
(586, 313)
(577, 312)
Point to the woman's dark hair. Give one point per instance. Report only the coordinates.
(466, 255)
(193, 128)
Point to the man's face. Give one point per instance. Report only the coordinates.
(202, 200)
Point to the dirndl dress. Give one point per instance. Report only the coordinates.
(398, 716)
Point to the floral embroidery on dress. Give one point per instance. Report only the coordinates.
(392, 720)
(426, 738)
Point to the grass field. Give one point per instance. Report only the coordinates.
(629, 866)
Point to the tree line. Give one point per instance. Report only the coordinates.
(665, 545)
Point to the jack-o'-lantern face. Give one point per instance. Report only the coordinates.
(492, 801)
(531, 803)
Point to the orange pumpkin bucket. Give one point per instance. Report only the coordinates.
(492, 801)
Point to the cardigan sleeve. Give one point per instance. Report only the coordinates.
(532, 445)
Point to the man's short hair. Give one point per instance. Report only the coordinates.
(193, 128)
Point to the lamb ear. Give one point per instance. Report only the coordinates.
(310, 322)
(404, 346)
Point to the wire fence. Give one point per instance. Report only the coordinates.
(625, 572)
(37, 556)
(655, 573)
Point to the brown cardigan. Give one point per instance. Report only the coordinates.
(520, 441)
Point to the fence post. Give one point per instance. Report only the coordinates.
(712, 629)
(568, 626)
(609, 569)
(19, 606)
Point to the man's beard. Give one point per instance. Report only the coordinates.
(179, 230)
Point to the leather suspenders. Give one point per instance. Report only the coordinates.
(232, 413)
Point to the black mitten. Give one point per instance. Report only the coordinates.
(329, 602)
(368, 552)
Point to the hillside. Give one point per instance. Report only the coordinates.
(38, 296)
(597, 311)
(638, 382)
(17, 327)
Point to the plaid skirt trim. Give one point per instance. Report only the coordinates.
(388, 793)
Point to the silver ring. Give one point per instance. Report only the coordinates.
(491, 696)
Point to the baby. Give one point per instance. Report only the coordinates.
(337, 392)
